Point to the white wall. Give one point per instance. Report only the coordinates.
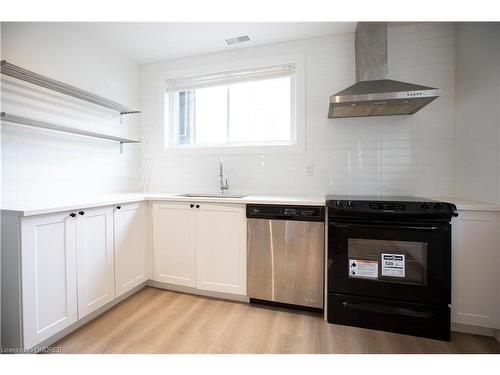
(414, 155)
(411, 155)
(478, 110)
(40, 163)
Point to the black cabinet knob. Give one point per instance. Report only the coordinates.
(118, 207)
(191, 205)
(81, 213)
(73, 214)
(197, 206)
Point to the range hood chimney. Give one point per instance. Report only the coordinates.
(373, 94)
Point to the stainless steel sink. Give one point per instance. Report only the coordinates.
(213, 195)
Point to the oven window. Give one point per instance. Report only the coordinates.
(390, 261)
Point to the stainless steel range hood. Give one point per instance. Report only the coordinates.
(374, 94)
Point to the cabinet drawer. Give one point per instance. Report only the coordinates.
(411, 319)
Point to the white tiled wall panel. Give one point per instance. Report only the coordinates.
(412, 155)
(478, 111)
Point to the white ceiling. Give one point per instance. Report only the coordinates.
(148, 42)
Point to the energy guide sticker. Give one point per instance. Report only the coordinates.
(393, 265)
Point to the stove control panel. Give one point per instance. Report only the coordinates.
(346, 207)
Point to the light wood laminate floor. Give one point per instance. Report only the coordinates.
(159, 321)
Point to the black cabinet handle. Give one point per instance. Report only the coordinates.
(73, 214)
(118, 207)
(191, 205)
(81, 213)
(197, 206)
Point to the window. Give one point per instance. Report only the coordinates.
(240, 108)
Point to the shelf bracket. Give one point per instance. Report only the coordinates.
(121, 147)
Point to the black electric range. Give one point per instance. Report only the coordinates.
(389, 264)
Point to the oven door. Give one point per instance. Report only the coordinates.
(407, 262)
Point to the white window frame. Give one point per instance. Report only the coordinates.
(298, 121)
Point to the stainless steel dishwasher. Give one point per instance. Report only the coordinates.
(286, 247)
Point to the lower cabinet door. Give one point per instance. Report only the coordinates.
(475, 282)
(131, 257)
(96, 279)
(49, 292)
(174, 243)
(221, 248)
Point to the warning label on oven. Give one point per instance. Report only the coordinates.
(361, 268)
(393, 265)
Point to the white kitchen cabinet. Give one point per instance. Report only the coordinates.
(95, 260)
(475, 269)
(131, 256)
(49, 276)
(221, 248)
(173, 243)
(59, 268)
(200, 245)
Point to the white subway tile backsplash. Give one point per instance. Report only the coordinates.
(396, 154)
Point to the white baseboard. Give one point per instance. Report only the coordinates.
(198, 292)
(475, 330)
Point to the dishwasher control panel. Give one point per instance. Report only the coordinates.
(279, 212)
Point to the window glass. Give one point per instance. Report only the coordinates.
(233, 110)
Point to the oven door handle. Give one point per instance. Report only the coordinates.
(384, 309)
(443, 228)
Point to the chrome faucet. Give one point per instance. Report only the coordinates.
(223, 185)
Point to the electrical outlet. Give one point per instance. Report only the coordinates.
(309, 169)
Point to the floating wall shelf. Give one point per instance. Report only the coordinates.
(49, 83)
(61, 128)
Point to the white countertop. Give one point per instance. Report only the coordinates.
(37, 207)
(30, 208)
